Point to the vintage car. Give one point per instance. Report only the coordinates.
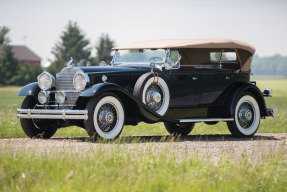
(178, 82)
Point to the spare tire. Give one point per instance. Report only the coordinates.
(153, 91)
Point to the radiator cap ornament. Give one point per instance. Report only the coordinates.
(70, 63)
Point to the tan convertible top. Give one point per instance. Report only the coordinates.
(190, 43)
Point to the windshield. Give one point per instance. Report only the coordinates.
(139, 56)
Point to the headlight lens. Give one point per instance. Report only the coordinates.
(46, 81)
(43, 97)
(80, 81)
(60, 97)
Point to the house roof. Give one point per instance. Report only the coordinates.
(190, 43)
(23, 53)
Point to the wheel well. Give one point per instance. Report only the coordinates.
(259, 99)
(130, 106)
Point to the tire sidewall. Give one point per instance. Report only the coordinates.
(166, 95)
(92, 125)
(256, 122)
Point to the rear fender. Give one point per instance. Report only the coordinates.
(247, 88)
(31, 89)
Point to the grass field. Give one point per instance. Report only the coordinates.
(10, 127)
(122, 169)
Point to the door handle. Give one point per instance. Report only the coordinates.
(194, 78)
(227, 77)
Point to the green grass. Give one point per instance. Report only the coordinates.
(123, 170)
(10, 127)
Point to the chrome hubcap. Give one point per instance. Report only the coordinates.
(245, 115)
(153, 97)
(107, 117)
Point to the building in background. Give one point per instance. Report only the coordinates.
(25, 55)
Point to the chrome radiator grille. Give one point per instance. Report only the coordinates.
(64, 82)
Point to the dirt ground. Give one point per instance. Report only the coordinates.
(208, 146)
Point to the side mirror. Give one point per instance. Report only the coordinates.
(103, 63)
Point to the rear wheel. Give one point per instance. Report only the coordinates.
(246, 117)
(106, 116)
(179, 128)
(37, 128)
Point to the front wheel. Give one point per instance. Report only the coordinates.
(37, 128)
(179, 128)
(246, 117)
(106, 116)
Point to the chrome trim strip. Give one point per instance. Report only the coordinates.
(56, 105)
(51, 114)
(194, 120)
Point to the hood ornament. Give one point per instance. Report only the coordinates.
(70, 63)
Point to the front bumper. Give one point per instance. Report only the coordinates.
(52, 114)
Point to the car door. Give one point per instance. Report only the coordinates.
(184, 88)
(213, 85)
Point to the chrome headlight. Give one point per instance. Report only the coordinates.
(60, 97)
(46, 81)
(43, 97)
(80, 81)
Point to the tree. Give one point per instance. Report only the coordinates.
(72, 44)
(28, 74)
(9, 66)
(104, 49)
(4, 39)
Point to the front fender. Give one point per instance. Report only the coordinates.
(31, 89)
(250, 88)
(100, 88)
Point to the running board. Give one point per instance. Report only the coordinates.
(195, 120)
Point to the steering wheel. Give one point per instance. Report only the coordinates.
(154, 58)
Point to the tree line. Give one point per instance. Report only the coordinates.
(272, 66)
(72, 43)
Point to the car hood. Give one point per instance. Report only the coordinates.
(99, 70)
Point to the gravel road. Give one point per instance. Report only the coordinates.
(208, 146)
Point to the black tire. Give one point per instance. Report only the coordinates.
(179, 128)
(93, 127)
(246, 117)
(149, 80)
(40, 128)
(211, 122)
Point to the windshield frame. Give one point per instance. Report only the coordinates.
(113, 62)
(160, 64)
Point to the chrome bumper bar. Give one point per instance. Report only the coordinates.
(51, 114)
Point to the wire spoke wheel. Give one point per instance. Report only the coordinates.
(154, 97)
(107, 117)
(246, 117)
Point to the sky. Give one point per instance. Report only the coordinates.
(39, 24)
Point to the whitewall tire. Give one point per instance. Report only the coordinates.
(246, 117)
(154, 92)
(106, 117)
